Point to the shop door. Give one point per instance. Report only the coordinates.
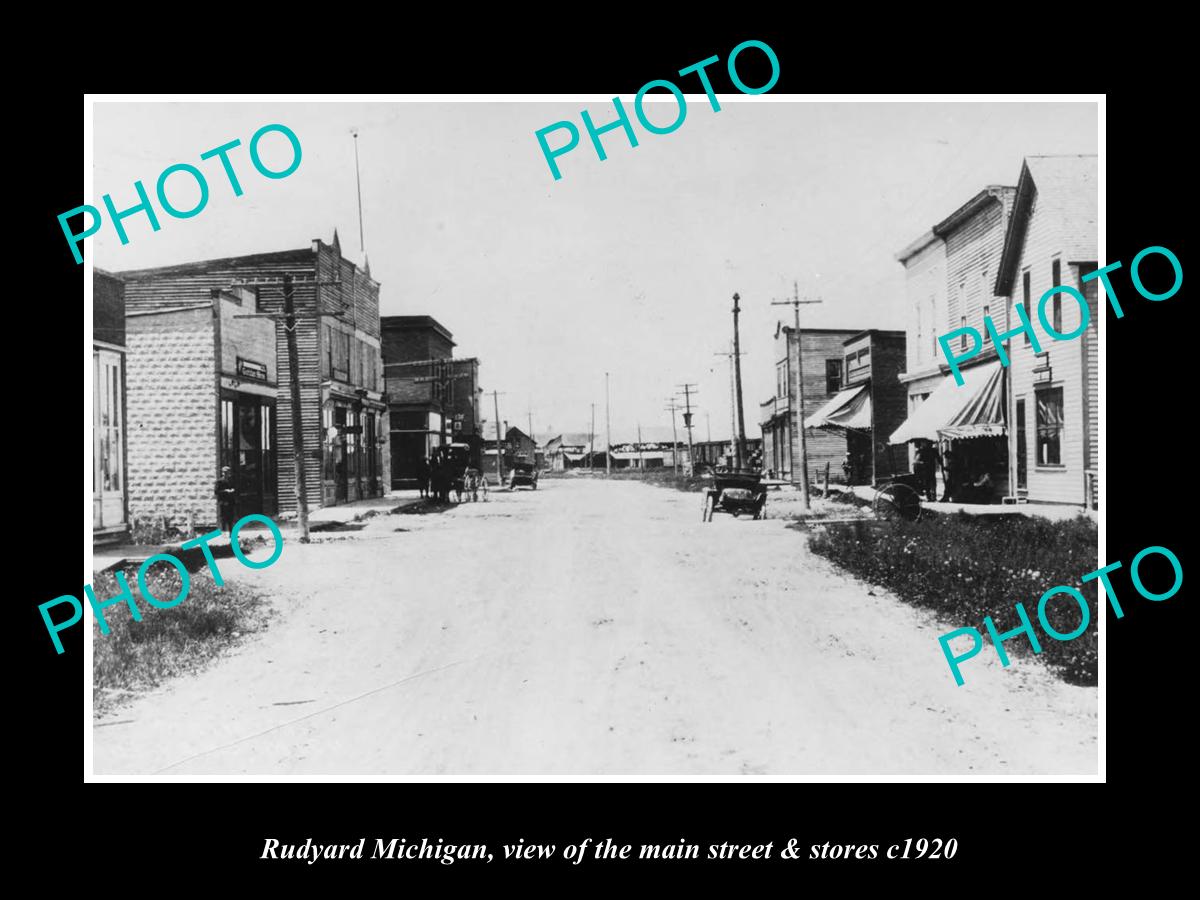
(248, 448)
(340, 464)
(108, 436)
(372, 450)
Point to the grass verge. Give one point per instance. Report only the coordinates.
(137, 656)
(966, 567)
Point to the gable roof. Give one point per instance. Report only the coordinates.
(1067, 192)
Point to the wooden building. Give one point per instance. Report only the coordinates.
(342, 414)
(1052, 239)
(110, 520)
(950, 273)
(869, 407)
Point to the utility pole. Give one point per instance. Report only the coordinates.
(737, 367)
(496, 408)
(592, 443)
(607, 432)
(641, 455)
(708, 426)
(729, 357)
(289, 318)
(688, 390)
(795, 303)
(289, 328)
(674, 437)
(532, 439)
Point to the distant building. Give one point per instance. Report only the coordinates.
(709, 454)
(110, 520)
(570, 451)
(433, 398)
(342, 414)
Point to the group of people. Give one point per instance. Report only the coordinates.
(436, 478)
(969, 483)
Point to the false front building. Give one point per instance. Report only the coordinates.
(210, 384)
(850, 394)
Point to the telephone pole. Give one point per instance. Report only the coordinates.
(674, 437)
(737, 368)
(289, 328)
(289, 318)
(607, 432)
(592, 443)
(688, 390)
(729, 357)
(795, 303)
(641, 455)
(496, 409)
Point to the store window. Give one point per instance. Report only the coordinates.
(1049, 426)
(833, 376)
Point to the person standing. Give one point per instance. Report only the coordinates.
(925, 468)
(951, 474)
(423, 475)
(226, 497)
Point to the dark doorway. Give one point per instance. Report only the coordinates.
(248, 448)
(1022, 449)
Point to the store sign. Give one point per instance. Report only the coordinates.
(247, 368)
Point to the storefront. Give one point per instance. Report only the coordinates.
(849, 414)
(248, 449)
(968, 424)
(353, 449)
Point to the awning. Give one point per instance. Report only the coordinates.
(574, 456)
(973, 409)
(850, 409)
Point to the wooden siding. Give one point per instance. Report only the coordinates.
(1043, 241)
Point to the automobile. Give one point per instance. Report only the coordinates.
(523, 475)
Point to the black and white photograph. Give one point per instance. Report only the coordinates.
(519, 438)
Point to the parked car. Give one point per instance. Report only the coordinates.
(523, 475)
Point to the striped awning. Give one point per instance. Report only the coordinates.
(849, 409)
(953, 412)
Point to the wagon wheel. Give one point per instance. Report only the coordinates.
(897, 501)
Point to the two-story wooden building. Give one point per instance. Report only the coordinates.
(216, 326)
(1052, 240)
(869, 406)
(950, 273)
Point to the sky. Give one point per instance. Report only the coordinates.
(627, 265)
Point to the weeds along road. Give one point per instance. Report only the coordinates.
(591, 628)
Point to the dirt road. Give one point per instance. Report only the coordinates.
(592, 628)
